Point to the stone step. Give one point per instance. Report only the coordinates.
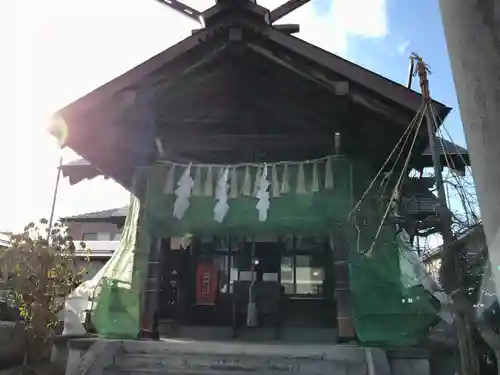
(343, 353)
(116, 357)
(236, 358)
(338, 371)
(230, 364)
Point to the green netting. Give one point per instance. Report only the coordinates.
(390, 306)
(116, 300)
(388, 309)
(116, 314)
(308, 213)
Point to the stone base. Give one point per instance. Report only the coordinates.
(109, 357)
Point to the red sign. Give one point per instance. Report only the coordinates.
(206, 284)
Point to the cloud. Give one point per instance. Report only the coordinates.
(332, 28)
(403, 48)
(364, 18)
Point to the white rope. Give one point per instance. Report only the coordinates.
(239, 165)
(397, 187)
(404, 138)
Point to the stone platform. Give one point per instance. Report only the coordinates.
(112, 357)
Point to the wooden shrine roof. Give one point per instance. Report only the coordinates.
(239, 90)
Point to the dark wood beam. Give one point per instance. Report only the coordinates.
(234, 91)
(376, 106)
(228, 149)
(238, 141)
(337, 87)
(285, 9)
(183, 9)
(288, 28)
(329, 63)
(178, 72)
(286, 108)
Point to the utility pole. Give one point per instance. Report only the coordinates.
(54, 198)
(455, 289)
(472, 31)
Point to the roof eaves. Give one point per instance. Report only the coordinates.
(447, 147)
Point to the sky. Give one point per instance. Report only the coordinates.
(55, 51)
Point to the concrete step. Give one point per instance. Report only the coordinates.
(235, 347)
(117, 357)
(222, 364)
(215, 358)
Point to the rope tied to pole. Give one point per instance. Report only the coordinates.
(423, 71)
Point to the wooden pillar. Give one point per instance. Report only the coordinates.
(150, 294)
(345, 324)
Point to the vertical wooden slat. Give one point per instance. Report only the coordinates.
(345, 325)
(150, 295)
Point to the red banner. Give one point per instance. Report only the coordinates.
(206, 284)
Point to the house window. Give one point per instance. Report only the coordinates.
(303, 266)
(99, 236)
(89, 237)
(117, 236)
(309, 274)
(104, 236)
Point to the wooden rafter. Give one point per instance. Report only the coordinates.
(183, 8)
(340, 87)
(285, 9)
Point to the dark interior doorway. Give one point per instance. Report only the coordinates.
(267, 259)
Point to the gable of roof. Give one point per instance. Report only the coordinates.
(383, 86)
(393, 91)
(87, 120)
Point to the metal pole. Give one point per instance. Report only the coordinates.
(469, 362)
(54, 197)
(252, 313)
